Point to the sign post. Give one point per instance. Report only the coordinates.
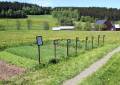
(39, 42)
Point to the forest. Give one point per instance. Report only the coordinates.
(21, 10)
(64, 14)
(95, 12)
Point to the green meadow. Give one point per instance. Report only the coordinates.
(37, 22)
(18, 47)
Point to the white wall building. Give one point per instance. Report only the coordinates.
(63, 28)
(117, 27)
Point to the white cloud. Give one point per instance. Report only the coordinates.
(42, 2)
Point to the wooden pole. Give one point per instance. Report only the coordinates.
(55, 43)
(103, 39)
(86, 43)
(92, 42)
(68, 41)
(98, 40)
(77, 45)
(39, 54)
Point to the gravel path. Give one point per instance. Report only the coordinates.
(7, 70)
(93, 68)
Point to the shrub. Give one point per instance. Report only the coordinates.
(87, 26)
(78, 26)
(66, 22)
(99, 27)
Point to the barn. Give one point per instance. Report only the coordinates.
(108, 23)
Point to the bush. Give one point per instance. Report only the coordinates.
(99, 27)
(78, 26)
(87, 19)
(66, 22)
(87, 26)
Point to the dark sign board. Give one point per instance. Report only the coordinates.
(39, 40)
(69, 40)
(55, 42)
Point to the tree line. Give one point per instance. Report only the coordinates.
(94, 12)
(21, 10)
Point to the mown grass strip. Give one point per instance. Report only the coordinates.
(109, 74)
(56, 74)
(17, 60)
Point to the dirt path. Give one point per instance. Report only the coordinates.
(93, 68)
(7, 71)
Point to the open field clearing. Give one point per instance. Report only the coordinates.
(20, 50)
(46, 42)
(47, 52)
(55, 74)
(107, 75)
(36, 22)
(16, 38)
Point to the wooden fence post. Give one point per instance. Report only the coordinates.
(86, 43)
(68, 42)
(98, 40)
(103, 39)
(92, 42)
(76, 45)
(55, 42)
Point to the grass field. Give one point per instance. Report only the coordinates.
(37, 22)
(47, 51)
(18, 47)
(15, 38)
(107, 75)
(55, 74)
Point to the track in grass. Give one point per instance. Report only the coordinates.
(94, 67)
(109, 74)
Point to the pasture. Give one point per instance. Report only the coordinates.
(18, 47)
(36, 22)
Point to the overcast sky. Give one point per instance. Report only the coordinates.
(75, 3)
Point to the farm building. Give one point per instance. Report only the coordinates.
(63, 28)
(117, 27)
(108, 23)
